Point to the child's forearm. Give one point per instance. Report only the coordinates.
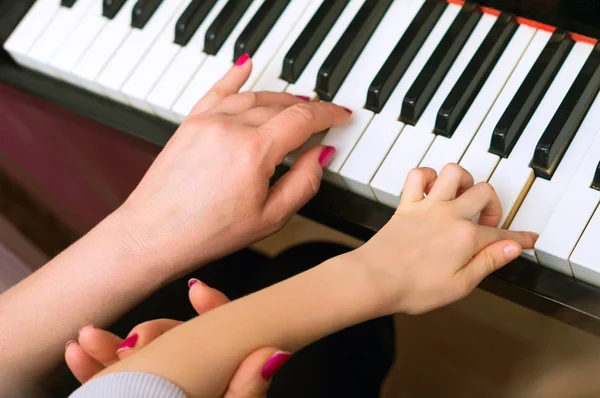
(202, 355)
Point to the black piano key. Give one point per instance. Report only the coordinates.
(143, 11)
(259, 27)
(222, 26)
(403, 54)
(340, 60)
(530, 94)
(67, 3)
(475, 75)
(110, 8)
(190, 20)
(568, 118)
(596, 181)
(306, 45)
(429, 80)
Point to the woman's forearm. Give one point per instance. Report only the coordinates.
(97, 279)
(201, 355)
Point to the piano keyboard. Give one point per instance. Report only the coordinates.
(513, 101)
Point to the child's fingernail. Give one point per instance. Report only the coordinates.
(348, 110)
(511, 251)
(303, 98)
(274, 364)
(193, 281)
(326, 156)
(69, 343)
(242, 60)
(128, 343)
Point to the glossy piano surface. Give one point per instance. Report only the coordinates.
(525, 282)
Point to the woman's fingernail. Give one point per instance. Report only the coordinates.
(511, 251)
(326, 156)
(193, 281)
(85, 326)
(348, 110)
(274, 364)
(303, 98)
(69, 343)
(128, 343)
(242, 60)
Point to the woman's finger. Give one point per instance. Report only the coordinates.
(291, 128)
(204, 298)
(486, 261)
(481, 200)
(418, 184)
(242, 102)
(253, 377)
(229, 84)
(298, 185)
(143, 334)
(451, 183)
(99, 344)
(83, 366)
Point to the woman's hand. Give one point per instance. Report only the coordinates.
(208, 194)
(97, 349)
(430, 253)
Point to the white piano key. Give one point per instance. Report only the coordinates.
(29, 30)
(414, 141)
(308, 79)
(134, 47)
(276, 37)
(585, 260)
(75, 45)
(62, 25)
(102, 49)
(270, 80)
(374, 145)
(513, 176)
(544, 195)
(449, 150)
(571, 215)
(352, 93)
(477, 159)
(153, 64)
(186, 63)
(213, 68)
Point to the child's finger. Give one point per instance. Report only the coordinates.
(229, 84)
(452, 182)
(253, 377)
(205, 298)
(418, 183)
(83, 366)
(143, 334)
(99, 344)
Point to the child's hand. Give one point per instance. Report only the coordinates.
(97, 349)
(431, 253)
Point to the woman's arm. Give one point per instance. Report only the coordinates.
(206, 195)
(430, 254)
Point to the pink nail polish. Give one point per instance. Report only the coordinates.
(303, 98)
(193, 281)
(84, 326)
(348, 110)
(274, 364)
(326, 156)
(69, 343)
(129, 342)
(242, 60)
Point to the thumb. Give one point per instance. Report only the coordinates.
(488, 260)
(291, 192)
(253, 377)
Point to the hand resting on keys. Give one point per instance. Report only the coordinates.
(207, 195)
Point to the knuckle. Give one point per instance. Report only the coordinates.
(490, 261)
(303, 112)
(467, 231)
(416, 174)
(314, 182)
(487, 188)
(452, 168)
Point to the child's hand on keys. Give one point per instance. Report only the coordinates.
(430, 253)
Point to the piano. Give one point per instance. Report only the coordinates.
(509, 89)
